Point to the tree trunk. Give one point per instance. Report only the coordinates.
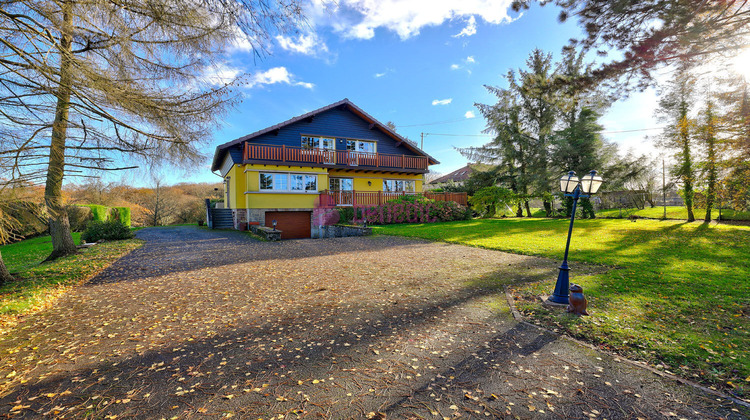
(528, 210)
(687, 170)
(5, 276)
(59, 225)
(519, 212)
(548, 208)
(710, 161)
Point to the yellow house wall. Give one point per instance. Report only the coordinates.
(361, 179)
(254, 199)
(244, 185)
(236, 187)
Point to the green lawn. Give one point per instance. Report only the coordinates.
(679, 296)
(674, 212)
(30, 252)
(40, 283)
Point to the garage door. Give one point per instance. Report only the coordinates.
(292, 224)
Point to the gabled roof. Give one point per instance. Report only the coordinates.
(221, 149)
(459, 175)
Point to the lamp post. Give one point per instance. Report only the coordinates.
(571, 186)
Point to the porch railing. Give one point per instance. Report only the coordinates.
(330, 198)
(286, 154)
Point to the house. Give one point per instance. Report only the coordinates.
(457, 177)
(333, 156)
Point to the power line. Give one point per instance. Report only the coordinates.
(459, 135)
(632, 131)
(434, 123)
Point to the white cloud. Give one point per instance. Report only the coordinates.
(273, 76)
(442, 101)
(467, 61)
(221, 74)
(360, 18)
(470, 29)
(307, 44)
(470, 114)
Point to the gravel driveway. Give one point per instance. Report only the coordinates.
(201, 323)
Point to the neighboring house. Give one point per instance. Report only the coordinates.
(457, 177)
(332, 156)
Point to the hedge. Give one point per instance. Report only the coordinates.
(103, 213)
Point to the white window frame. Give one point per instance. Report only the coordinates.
(321, 140)
(332, 178)
(403, 185)
(306, 177)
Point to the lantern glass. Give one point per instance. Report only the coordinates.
(569, 182)
(591, 182)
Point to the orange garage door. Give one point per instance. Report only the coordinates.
(292, 224)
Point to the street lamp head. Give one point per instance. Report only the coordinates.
(569, 182)
(590, 183)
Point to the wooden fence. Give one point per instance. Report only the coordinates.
(365, 199)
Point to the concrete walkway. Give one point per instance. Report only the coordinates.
(202, 323)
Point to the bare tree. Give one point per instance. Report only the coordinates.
(161, 204)
(94, 84)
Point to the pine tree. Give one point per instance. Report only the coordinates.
(647, 35)
(92, 84)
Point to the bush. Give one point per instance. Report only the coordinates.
(124, 215)
(110, 230)
(346, 214)
(489, 200)
(100, 213)
(79, 217)
(410, 199)
(427, 212)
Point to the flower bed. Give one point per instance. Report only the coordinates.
(423, 211)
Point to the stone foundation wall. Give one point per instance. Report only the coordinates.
(339, 231)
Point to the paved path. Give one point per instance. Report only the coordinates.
(199, 323)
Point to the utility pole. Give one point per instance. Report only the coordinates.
(421, 145)
(664, 188)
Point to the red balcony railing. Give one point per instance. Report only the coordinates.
(287, 154)
(330, 198)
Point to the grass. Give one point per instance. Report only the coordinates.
(674, 212)
(39, 284)
(676, 296)
(30, 252)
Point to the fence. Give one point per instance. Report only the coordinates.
(330, 198)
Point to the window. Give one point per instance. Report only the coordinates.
(361, 146)
(341, 184)
(398, 185)
(326, 143)
(288, 182)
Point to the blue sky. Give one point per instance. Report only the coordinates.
(413, 63)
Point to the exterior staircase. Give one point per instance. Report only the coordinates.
(222, 218)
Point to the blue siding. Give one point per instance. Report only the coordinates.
(336, 123)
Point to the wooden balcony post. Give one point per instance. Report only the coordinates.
(283, 152)
(354, 198)
(380, 198)
(403, 161)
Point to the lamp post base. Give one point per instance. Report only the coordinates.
(561, 293)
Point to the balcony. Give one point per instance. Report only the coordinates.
(261, 153)
(330, 198)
